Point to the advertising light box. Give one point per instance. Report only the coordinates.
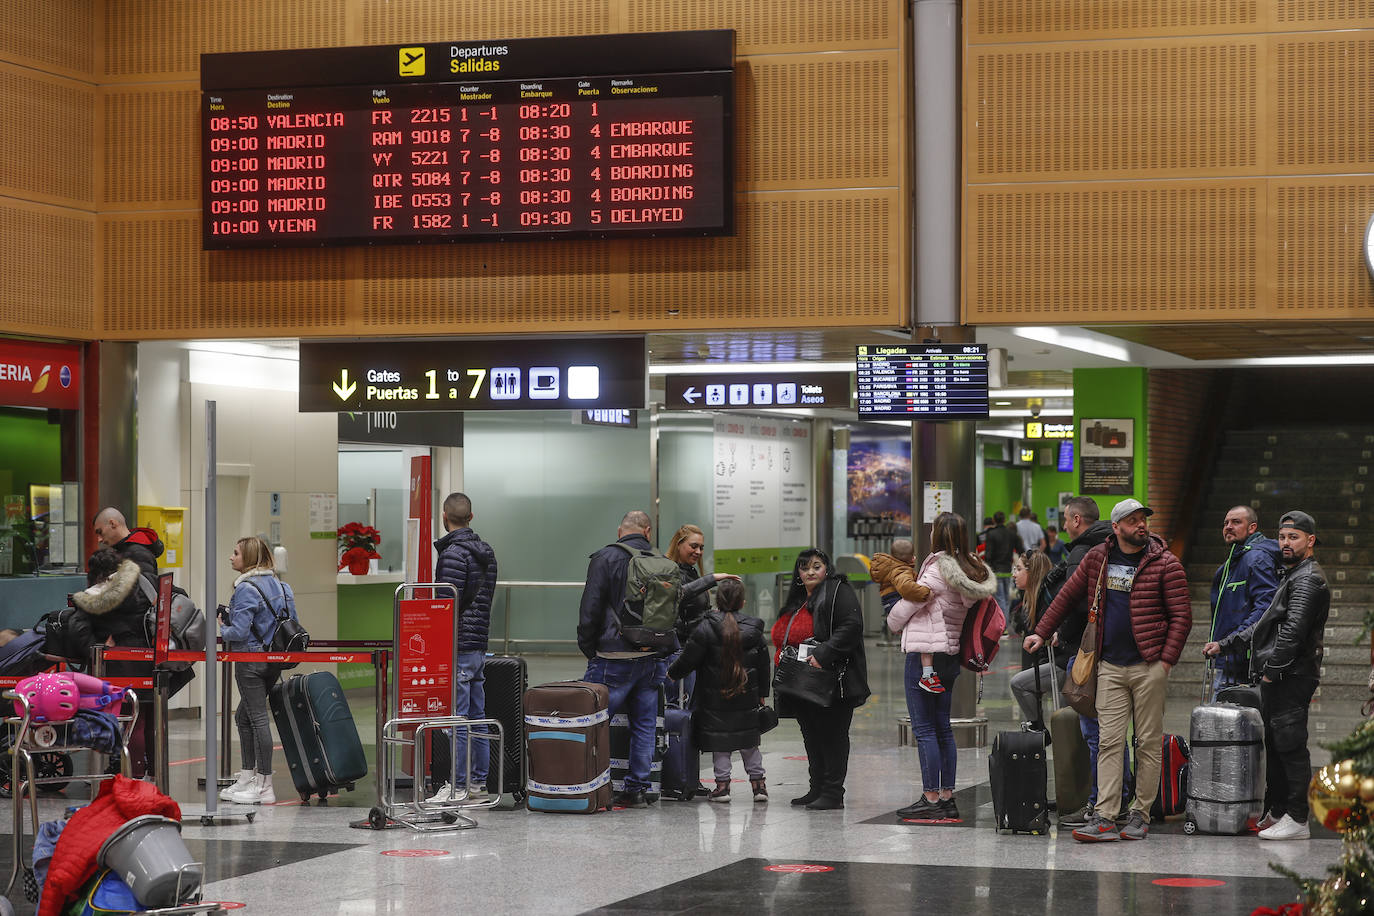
(578, 373)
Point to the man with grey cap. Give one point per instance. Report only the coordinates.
(1286, 656)
(1144, 615)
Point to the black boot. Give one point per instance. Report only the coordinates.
(826, 802)
(811, 795)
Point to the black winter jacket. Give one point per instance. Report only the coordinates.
(839, 630)
(597, 630)
(691, 608)
(1071, 630)
(469, 564)
(1287, 640)
(723, 723)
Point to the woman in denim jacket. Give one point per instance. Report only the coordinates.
(247, 626)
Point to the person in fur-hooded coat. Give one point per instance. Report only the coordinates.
(114, 602)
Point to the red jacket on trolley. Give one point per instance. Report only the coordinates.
(1161, 613)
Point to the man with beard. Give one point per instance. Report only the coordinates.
(1242, 589)
(1286, 655)
(1141, 593)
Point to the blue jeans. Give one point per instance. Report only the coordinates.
(1091, 734)
(633, 684)
(1004, 591)
(470, 699)
(930, 721)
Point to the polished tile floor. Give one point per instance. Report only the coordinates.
(697, 856)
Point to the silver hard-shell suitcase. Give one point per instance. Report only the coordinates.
(1226, 771)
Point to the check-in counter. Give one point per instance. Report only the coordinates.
(365, 609)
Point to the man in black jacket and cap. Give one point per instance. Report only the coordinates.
(1286, 656)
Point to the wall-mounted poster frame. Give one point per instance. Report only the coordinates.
(1107, 465)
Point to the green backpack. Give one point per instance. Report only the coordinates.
(649, 609)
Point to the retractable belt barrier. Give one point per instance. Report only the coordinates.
(379, 656)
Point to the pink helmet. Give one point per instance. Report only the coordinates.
(56, 696)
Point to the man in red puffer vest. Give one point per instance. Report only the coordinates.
(1144, 616)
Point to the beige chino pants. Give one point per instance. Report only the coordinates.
(1126, 693)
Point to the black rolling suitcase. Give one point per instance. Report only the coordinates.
(507, 678)
(1017, 774)
(317, 734)
(681, 774)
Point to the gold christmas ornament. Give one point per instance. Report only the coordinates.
(1347, 781)
(1367, 790)
(1331, 806)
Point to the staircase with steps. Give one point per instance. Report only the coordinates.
(1328, 473)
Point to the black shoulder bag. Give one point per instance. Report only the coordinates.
(287, 636)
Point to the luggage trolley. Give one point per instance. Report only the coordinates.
(415, 812)
(35, 742)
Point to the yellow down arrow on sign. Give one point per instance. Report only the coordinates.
(343, 388)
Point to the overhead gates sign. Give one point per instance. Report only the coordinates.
(575, 373)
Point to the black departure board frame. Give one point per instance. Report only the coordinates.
(597, 136)
(922, 381)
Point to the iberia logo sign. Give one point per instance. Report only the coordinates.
(39, 374)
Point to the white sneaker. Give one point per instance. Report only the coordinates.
(477, 793)
(445, 795)
(1286, 829)
(258, 792)
(1269, 820)
(241, 783)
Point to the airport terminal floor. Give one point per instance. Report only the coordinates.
(699, 856)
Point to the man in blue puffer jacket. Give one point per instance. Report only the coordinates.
(1242, 589)
(468, 564)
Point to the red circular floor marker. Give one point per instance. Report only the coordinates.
(414, 853)
(803, 757)
(1188, 882)
(226, 904)
(799, 869)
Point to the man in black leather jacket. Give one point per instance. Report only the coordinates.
(1286, 656)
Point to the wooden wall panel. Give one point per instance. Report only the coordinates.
(806, 259)
(465, 289)
(1044, 20)
(47, 270)
(1325, 104)
(57, 36)
(820, 185)
(159, 284)
(1182, 108)
(1237, 145)
(152, 147)
(1166, 251)
(48, 153)
(766, 26)
(1318, 236)
(824, 120)
(387, 21)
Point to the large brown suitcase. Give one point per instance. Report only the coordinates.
(568, 734)
(1072, 764)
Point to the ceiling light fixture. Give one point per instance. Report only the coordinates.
(740, 367)
(1077, 339)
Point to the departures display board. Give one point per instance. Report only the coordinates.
(922, 381)
(586, 137)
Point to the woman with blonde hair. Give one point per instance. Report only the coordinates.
(1028, 573)
(247, 625)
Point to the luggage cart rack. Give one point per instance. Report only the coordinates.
(415, 812)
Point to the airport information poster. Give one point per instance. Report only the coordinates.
(762, 474)
(1108, 457)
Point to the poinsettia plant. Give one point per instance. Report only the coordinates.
(359, 542)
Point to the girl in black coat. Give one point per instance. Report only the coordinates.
(731, 653)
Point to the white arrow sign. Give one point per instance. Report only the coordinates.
(691, 395)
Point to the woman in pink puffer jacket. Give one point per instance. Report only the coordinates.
(930, 630)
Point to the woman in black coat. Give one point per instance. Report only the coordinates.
(838, 624)
(731, 653)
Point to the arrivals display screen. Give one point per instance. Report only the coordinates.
(923, 381)
(590, 137)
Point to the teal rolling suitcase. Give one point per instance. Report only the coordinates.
(317, 734)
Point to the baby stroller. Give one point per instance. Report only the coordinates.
(21, 657)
